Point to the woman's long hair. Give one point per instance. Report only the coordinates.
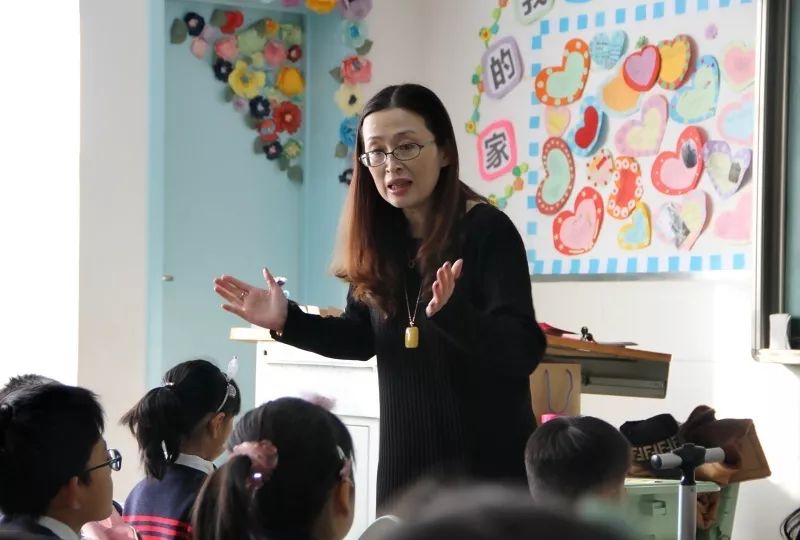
(373, 235)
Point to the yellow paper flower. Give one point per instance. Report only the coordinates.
(271, 28)
(470, 127)
(290, 81)
(245, 82)
(321, 6)
(485, 34)
(349, 99)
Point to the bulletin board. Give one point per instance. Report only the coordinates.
(618, 136)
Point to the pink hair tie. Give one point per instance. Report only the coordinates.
(263, 457)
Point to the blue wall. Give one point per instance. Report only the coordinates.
(217, 207)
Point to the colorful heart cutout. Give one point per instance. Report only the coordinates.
(641, 68)
(643, 137)
(556, 120)
(735, 121)
(585, 135)
(575, 232)
(726, 169)
(676, 59)
(739, 65)
(637, 233)
(562, 85)
(680, 223)
(676, 173)
(617, 97)
(697, 101)
(600, 168)
(606, 50)
(628, 187)
(734, 225)
(554, 191)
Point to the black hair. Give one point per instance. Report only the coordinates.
(486, 512)
(47, 434)
(168, 414)
(23, 381)
(313, 446)
(790, 528)
(572, 456)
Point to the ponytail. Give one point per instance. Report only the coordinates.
(224, 506)
(168, 415)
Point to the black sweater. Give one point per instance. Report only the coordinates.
(459, 404)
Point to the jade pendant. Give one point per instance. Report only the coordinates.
(412, 337)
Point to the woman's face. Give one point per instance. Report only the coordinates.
(404, 183)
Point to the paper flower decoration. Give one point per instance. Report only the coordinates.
(225, 48)
(321, 6)
(295, 53)
(348, 130)
(246, 82)
(349, 99)
(194, 23)
(355, 10)
(354, 33)
(273, 150)
(222, 69)
(292, 149)
(290, 81)
(356, 69)
(274, 53)
(287, 117)
(267, 130)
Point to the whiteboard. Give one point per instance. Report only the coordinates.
(628, 130)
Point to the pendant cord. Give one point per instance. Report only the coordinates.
(412, 319)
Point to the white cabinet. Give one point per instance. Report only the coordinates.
(282, 370)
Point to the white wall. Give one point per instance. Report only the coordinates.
(704, 325)
(113, 222)
(39, 202)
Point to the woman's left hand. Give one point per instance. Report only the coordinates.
(443, 287)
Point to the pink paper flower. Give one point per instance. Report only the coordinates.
(356, 69)
(274, 53)
(199, 47)
(226, 48)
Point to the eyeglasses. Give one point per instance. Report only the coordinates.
(404, 152)
(114, 461)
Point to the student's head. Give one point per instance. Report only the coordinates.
(53, 458)
(23, 381)
(290, 476)
(490, 512)
(192, 412)
(420, 176)
(790, 528)
(570, 457)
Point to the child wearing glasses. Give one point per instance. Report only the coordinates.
(181, 427)
(440, 293)
(55, 468)
(290, 476)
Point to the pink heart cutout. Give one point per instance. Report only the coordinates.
(739, 65)
(641, 68)
(643, 137)
(678, 172)
(576, 232)
(734, 225)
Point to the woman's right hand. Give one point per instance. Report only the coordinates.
(267, 308)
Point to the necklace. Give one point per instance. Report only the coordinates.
(412, 332)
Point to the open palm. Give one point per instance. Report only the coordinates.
(266, 308)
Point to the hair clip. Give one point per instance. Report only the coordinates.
(263, 461)
(346, 472)
(230, 373)
(169, 384)
(319, 400)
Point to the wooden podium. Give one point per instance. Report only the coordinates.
(612, 370)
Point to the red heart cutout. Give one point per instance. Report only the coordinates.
(627, 189)
(576, 232)
(676, 173)
(586, 135)
(641, 69)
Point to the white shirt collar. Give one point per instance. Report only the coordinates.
(59, 529)
(195, 462)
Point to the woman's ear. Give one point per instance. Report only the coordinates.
(444, 159)
(344, 498)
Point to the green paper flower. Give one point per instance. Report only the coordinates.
(292, 149)
(292, 34)
(250, 42)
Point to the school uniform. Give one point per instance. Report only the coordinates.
(31, 528)
(161, 509)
